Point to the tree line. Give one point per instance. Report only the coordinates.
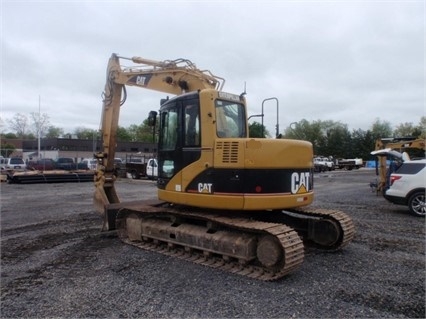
(329, 138)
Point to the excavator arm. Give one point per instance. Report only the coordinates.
(172, 77)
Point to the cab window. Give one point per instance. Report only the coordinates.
(230, 119)
(169, 129)
(192, 125)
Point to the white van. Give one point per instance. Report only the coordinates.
(90, 162)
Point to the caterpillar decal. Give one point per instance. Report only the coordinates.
(300, 182)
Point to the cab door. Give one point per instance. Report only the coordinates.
(180, 137)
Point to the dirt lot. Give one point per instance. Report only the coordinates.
(56, 263)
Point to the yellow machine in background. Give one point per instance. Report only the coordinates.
(393, 144)
(225, 199)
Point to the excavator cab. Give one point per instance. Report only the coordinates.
(184, 130)
(206, 158)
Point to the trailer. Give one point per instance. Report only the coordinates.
(54, 176)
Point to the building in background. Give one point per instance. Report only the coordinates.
(74, 148)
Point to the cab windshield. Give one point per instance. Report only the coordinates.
(230, 119)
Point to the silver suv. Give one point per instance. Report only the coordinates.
(407, 186)
(14, 164)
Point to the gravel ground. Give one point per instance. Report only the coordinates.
(55, 262)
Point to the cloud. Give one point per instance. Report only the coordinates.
(348, 61)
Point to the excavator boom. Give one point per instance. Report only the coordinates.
(174, 77)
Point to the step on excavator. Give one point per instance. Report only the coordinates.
(225, 200)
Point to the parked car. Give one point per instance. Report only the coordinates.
(68, 164)
(90, 162)
(14, 164)
(44, 164)
(407, 186)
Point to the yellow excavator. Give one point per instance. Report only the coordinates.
(225, 200)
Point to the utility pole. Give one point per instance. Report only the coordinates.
(38, 127)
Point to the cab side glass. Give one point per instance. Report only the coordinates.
(230, 119)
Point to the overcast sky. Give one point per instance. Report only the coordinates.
(347, 61)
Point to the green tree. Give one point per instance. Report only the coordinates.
(331, 138)
(420, 129)
(339, 141)
(6, 149)
(408, 129)
(40, 123)
(30, 136)
(363, 142)
(381, 129)
(404, 130)
(9, 135)
(85, 133)
(2, 126)
(142, 132)
(54, 132)
(19, 124)
(302, 130)
(255, 130)
(123, 134)
(313, 132)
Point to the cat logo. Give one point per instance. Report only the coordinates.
(205, 187)
(300, 182)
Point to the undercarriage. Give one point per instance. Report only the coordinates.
(262, 245)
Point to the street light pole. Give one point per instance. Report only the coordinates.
(38, 128)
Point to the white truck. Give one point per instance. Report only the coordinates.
(140, 166)
(136, 166)
(322, 164)
(152, 168)
(349, 164)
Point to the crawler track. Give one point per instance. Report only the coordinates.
(323, 229)
(277, 251)
(342, 222)
(262, 245)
